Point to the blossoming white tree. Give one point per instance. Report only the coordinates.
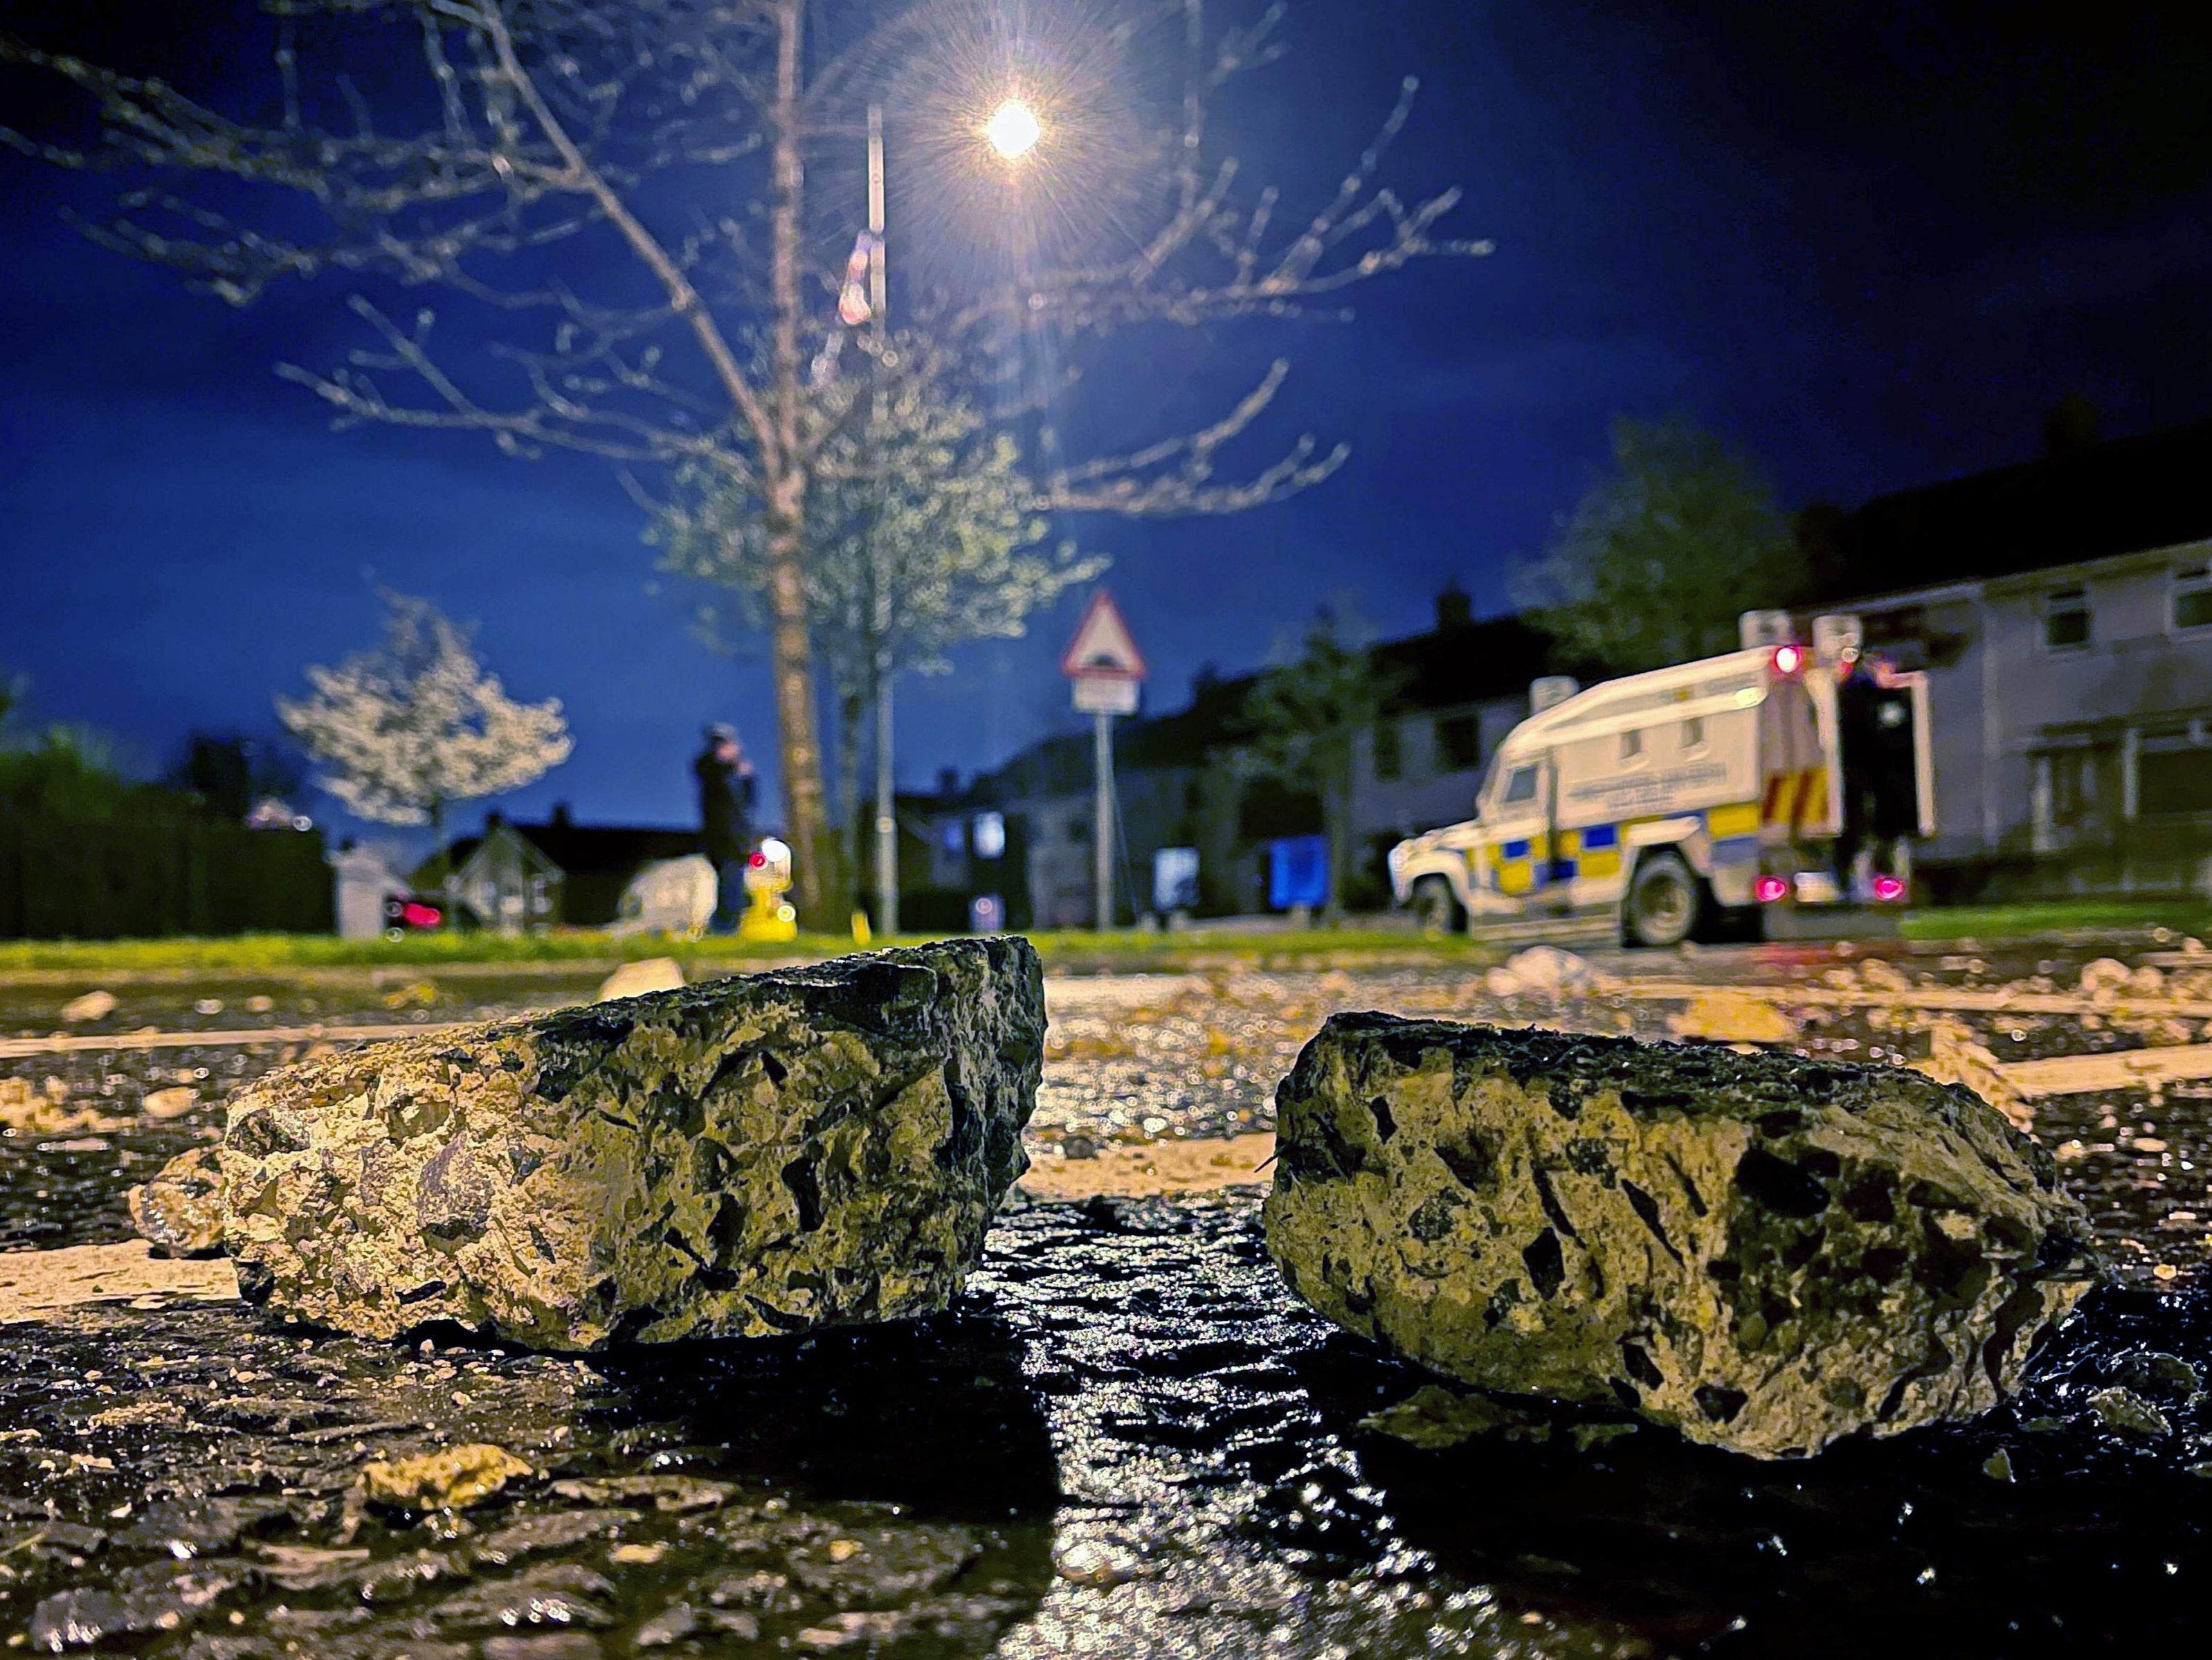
(407, 730)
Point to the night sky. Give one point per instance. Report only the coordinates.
(1871, 243)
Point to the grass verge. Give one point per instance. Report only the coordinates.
(2182, 917)
(1068, 952)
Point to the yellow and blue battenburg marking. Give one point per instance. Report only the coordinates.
(1594, 850)
(1513, 864)
(1597, 850)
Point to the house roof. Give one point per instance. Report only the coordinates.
(1448, 667)
(2127, 496)
(594, 849)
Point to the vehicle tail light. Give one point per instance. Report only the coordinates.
(418, 916)
(1888, 889)
(1769, 889)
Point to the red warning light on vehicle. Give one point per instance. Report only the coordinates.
(1788, 659)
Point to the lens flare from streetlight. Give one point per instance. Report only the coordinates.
(1014, 130)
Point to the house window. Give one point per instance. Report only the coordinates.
(2066, 619)
(1389, 752)
(2174, 770)
(1693, 732)
(1078, 831)
(2074, 796)
(2192, 598)
(1459, 742)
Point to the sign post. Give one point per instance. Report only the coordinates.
(1104, 669)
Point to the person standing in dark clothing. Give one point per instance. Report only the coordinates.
(1881, 797)
(726, 808)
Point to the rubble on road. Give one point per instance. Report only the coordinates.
(1734, 1017)
(759, 1154)
(1545, 971)
(179, 1212)
(454, 1478)
(1954, 1057)
(646, 975)
(45, 1111)
(1764, 1252)
(92, 1005)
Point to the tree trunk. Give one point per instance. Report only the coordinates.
(823, 891)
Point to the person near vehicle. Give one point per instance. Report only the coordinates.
(726, 807)
(1873, 720)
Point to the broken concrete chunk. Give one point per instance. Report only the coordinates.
(1762, 1251)
(2124, 1410)
(179, 1212)
(756, 1155)
(164, 1104)
(92, 1005)
(452, 1479)
(636, 979)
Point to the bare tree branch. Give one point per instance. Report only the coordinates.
(615, 194)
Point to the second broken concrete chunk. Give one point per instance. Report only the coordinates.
(756, 1155)
(1763, 1251)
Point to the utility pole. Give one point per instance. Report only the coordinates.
(1102, 835)
(887, 898)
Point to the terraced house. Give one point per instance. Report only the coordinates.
(2063, 611)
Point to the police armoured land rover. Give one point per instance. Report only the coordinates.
(1786, 777)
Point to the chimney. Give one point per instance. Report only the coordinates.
(1454, 609)
(948, 782)
(561, 818)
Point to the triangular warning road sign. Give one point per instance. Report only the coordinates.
(1101, 646)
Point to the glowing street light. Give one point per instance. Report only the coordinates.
(1014, 130)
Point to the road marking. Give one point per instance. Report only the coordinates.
(1994, 1000)
(74, 1043)
(34, 1284)
(1155, 1167)
(2079, 1074)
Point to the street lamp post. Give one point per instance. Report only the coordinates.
(887, 896)
(1012, 131)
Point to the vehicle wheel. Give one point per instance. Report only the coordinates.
(1663, 903)
(1435, 905)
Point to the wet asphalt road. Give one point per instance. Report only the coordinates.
(1126, 1440)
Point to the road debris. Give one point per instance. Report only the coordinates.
(636, 979)
(1763, 1252)
(456, 1478)
(1956, 1057)
(92, 1005)
(1734, 1017)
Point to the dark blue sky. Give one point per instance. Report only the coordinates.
(1870, 242)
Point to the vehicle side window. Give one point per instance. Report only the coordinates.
(1519, 786)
